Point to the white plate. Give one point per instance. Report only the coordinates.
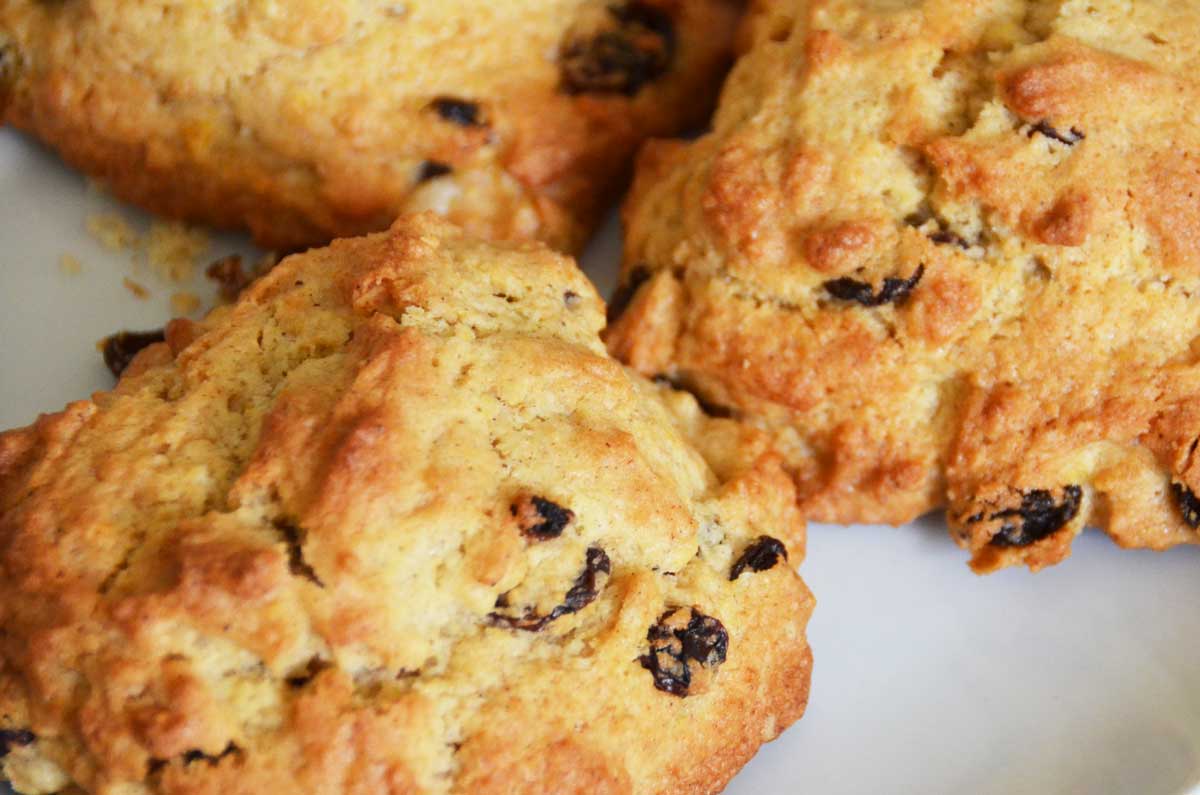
(1084, 678)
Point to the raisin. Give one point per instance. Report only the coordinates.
(943, 235)
(1070, 137)
(1187, 502)
(539, 518)
(230, 277)
(623, 295)
(458, 111)
(432, 169)
(686, 647)
(314, 666)
(707, 406)
(946, 237)
(893, 291)
(762, 554)
(195, 755)
(638, 49)
(572, 299)
(1037, 517)
(581, 594)
(14, 738)
(293, 537)
(120, 348)
(584, 591)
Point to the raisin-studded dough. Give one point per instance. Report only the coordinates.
(948, 253)
(307, 120)
(393, 523)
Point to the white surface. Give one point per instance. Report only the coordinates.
(1084, 678)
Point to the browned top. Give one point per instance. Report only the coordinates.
(947, 252)
(392, 523)
(315, 119)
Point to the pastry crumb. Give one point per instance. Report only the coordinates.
(172, 249)
(138, 290)
(70, 265)
(113, 231)
(184, 303)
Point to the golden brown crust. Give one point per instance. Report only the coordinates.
(944, 252)
(325, 121)
(394, 523)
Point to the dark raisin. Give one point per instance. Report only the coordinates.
(230, 276)
(458, 111)
(942, 236)
(762, 554)
(685, 645)
(14, 738)
(620, 60)
(432, 169)
(572, 299)
(946, 237)
(120, 348)
(581, 594)
(314, 666)
(1187, 502)
(585, 589)
(1038, 516)
(293, 538)
(707, 406)
(625, 292)
(156, 764)
(539, 518)
(1070, 137)
(199, 756)
(893, 291)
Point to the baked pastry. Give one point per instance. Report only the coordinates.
(946, 253)
(315, 119)
(392, 523)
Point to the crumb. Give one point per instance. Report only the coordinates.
(113, 231)
(173, 247)
(138, 290)
(70, 265)
(184, 303)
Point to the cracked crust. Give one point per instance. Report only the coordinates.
(273, 557)
(312, 120)
(946, 253)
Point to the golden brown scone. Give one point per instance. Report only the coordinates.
(313, 119)
(947, 253)
(392, 523)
